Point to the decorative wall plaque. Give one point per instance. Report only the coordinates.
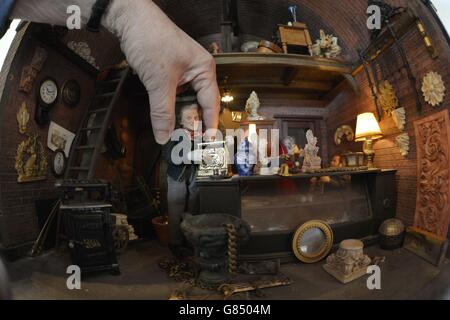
(23, 117)
(399, 117)
(387, 97)
(83, 50)
(344, 130)
(29, 72)
(403, 143)
(31, 162)
(433, 174)
(433, 88)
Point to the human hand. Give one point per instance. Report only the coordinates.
(165, 58)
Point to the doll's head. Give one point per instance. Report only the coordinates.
(188, 114)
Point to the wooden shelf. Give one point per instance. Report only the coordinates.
(290, 75)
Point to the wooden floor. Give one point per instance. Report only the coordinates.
(403, 276)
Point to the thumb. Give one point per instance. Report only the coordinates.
(162, 112)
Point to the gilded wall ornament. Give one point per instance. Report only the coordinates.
(399, 117)
(387, 97)
(403, 143)
(433, 88)
(344, 130)
(23, 117)
(31, 162)
(433, 174)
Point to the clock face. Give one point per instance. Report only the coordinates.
(59, 163)
(48, 91)
(71, 93)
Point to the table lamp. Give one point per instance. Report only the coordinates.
(367, 130)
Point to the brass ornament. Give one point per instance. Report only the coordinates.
(324, 249)
(31, 162)
(433, 88)
(387, 97)
(344, 130)
(23, 117)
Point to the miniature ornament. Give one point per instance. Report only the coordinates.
(349, 262)
(312, 161)
(327, 46)
(31, 162)
(399, 117)
(22, 118)
(252, 106)
(403, 143)
(433, 88)
(387, 97)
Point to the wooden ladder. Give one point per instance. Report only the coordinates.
(89, 139)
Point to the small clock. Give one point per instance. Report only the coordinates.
(71, 93)
(47, 95)
(48, 92)
(59, 162)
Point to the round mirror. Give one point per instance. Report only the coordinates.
(312, 241)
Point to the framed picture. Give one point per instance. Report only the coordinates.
(59, 138)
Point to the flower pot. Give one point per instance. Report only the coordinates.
(161, 226)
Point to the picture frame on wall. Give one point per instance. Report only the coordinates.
(59, 138)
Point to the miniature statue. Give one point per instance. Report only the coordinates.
(326, 46)
(291, 153)
(349, 262)
(182, 191)
(252, 106)
(311, 161)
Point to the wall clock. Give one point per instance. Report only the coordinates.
(71, 93)
(59, 163)
(48, 92)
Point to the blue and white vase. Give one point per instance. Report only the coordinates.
(245, 158)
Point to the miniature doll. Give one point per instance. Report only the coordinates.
(182, 192)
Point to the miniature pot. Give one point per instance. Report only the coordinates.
(161, 226)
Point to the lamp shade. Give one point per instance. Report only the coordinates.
(367, 127)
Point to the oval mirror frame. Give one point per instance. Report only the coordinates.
(324, 249)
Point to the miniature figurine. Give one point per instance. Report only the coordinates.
(252, 106)
(290, 153)
(312, 161)
(182, 192)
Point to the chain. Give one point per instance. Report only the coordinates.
(232, 248)
(178, 271)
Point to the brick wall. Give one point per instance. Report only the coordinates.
(18, 216)
(347, 105)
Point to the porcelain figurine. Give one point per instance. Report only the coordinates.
(312, 161)
(252, 106)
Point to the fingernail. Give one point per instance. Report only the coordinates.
(162, 136)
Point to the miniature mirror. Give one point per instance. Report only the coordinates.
(312, 241)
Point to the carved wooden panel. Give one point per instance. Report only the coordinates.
(433, 171)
